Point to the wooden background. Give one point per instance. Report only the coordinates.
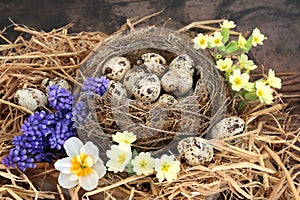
(277, 19)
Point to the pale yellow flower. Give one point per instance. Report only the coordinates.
(238, 80)
(228, 24)
(272, 80)
(245, 63)
(264, 92)
(216, 40)
(242, 42)
(258, 38)
(119, 156)
(124, 137)
(167, 167)
(200, 41)
(250, 87)
(83, 166)
(225, 64)
(143, 164)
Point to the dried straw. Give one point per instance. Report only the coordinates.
(262, 163)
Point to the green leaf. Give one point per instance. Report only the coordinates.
(225, 32)
(248, 45)
(242, 105)
(251, 96)
(232, 47)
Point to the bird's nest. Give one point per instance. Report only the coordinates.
(262, 163)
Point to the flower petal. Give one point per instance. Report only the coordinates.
(67, 181)
(73, 146)
(90, 149)
(64, 165)
(90, 181)
(99, 168)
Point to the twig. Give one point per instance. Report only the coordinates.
(16, 106)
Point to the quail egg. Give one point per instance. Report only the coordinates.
(115, 68)
(195, 150)
(146, 88)
(177, 82)
(228, 127)
(30, 98)
(167, 99)
(47, 82)
(117, 90)
(183, 61)
(131, 76)
(154, 63)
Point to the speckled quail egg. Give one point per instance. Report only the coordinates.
(116, 67)
(30, 98)
(154, 63)
(195, 150)
(167, 99)
(47, 82)
(177, 82)
(117, 90)
(183, 61)
(146, 88)
(131, 76)
(228, 127)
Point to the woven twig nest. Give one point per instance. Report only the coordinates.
(154, 124)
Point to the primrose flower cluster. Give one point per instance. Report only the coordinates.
(237, 72)
(120, 156)
(44, 133)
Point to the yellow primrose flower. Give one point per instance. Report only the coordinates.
(264, 92)
(216, 40)
(272, 80)
(245, 63)
(143, 164)
(228, 24)
(124, 137)
(201, 41)
(119, 156)
(83, 166)
(238, 80)
(224, 65)
(167, 167)
(242, 42)
(258, 38)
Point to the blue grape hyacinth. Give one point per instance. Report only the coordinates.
(95, 85)
(59, 98)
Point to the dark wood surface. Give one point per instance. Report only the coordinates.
(277, 19)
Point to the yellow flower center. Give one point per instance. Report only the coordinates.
(255, 39)
(224, 67)
(82, 165)
(237, 81)
(165, 167)
(121, 158)
(242, 44)
(260, 93)
(143, 164)
(202, 42)
(217, 41)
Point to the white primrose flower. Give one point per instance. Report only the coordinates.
(225, 64)
(216, 39)
(242, 41)
(200, 41)
(124, 137)
(228, 24)
(258, 38)
(167, 167)
(119, 156)
(83, 166)
(238, 80)
(272, 80)
(245, 63)
(143, 164)
(264, 92)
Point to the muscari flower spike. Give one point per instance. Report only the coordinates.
(59, 98)
(95, 85)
